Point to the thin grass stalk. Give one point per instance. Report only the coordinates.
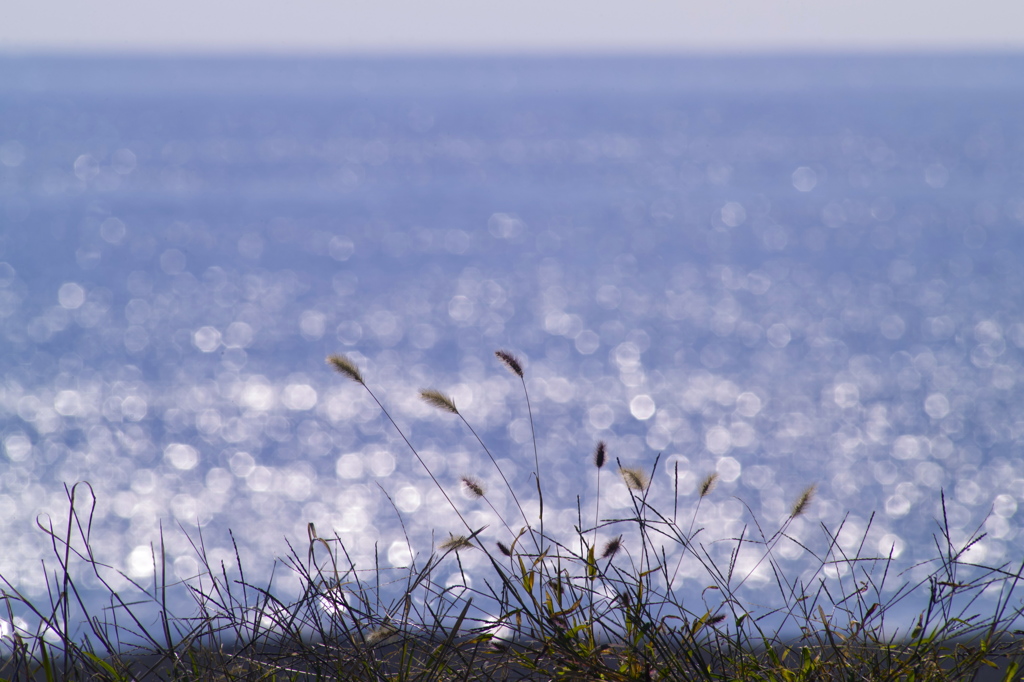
(445, 403)
(496, 466)
(64, 597)
(600, 455)
(685, 539)
(416, 453)
(798, 509)
(513, 364)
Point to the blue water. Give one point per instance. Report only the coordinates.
(788, 270)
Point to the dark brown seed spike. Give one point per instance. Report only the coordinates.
(611, 548)
(511, 362)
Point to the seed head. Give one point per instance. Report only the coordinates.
(599, 454)
(455, 543)
(438, 400)
(708, 484)
(634, 477)
(380, 634)
(802, 502)
(473, 486)
(611, 548)
(511, 362)
(503, 548)
(345, 366)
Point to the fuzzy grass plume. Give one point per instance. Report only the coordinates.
(438, 400)
(511, 362)
(473, 486)
(802, 502)
(708, 484)
(635, 478)
(611, 548)
(455, 543)
(346, 367)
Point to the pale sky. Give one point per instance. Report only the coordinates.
(509, 26)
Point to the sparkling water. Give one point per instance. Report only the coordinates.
(789, 271)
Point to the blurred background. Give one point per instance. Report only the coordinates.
(530, 26)
(776, 241)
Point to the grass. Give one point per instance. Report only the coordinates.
(544, 602)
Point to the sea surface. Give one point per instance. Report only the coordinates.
(789, 271)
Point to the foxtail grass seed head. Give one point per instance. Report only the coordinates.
(455, 543)
(345, 366)
(600, 454)
(438, 400)
(634, 477)
(503, 548)
(611, 548)
(511, 362)
(708, 484)
(802, 502)
(472, 486)
(380, 634)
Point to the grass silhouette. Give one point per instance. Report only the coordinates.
(535, 606)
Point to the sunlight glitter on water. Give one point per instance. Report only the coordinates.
(782, 294)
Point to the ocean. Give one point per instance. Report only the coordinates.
(786, 270)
